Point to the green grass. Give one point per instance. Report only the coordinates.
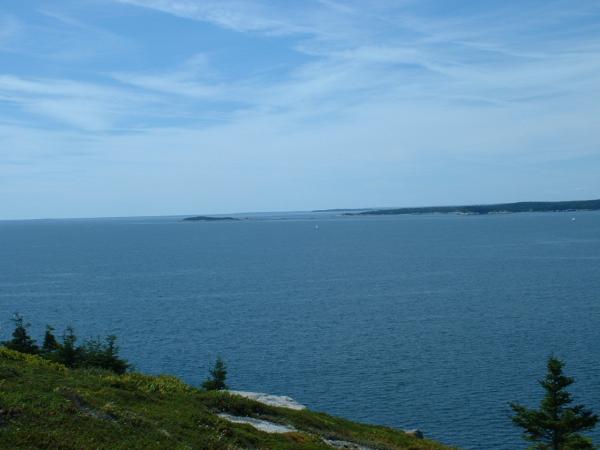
(44, 405)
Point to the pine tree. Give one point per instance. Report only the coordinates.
(218, 374)
(21, 340)
(103, 354)
(68, 353)
(50, 343)
(118, 365)
(555, 426)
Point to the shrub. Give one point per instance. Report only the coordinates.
(50, 343)
(218, 375)
(68, 353)
(164, 384)
(102, 354)
(34, 360)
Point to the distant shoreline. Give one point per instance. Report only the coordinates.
(208, 219)
(496, 208)
(499, 208)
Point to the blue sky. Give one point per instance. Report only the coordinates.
(157, 107)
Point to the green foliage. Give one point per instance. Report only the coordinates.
(163, 384)
(21, 341)
(7, 354)
(68, 353)
(50, 342)
(556, 426)
(102, 354)
(218, 375)
(48, 406)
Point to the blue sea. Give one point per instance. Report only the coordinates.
(433, 322)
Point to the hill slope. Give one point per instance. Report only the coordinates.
(44, 405)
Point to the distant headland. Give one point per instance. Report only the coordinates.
(499, 208)
(208, 219)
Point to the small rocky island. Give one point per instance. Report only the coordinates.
(208, 219)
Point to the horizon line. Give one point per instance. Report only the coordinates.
(315, 211)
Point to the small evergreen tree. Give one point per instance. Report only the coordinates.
(68, 354)
(50, 343)
(555, 426)
(21, 341)
(218, 375)
(103, 354)
(93, 353)
(111, 352)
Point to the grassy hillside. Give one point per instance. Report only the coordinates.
(44, 405)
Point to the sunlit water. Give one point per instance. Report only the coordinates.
(430, 322)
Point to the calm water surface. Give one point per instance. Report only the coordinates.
(433, 322)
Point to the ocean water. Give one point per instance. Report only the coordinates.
(433, 322)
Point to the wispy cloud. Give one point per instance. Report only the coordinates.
(357, 55)
(192, 79)
(351, 102)
(237, 15)
(359, 48)
(88, 106)
(49, 33)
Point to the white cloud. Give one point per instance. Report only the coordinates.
(88, 106)
(193, 79)
(236, 15)
(291, 160)
(359, 55)
(496, 56)
(372, 99)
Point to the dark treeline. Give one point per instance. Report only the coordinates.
(101, 353)
(209, 219)
(574, 205)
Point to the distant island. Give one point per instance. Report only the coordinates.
(341, 209)
(208, 219)
(500, 208)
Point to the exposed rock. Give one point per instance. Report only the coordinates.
(335, 443)
(415, 433)
(281, 401)
(259, 424)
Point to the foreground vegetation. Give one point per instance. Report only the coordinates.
(45, 405)
(65, 396)
(556, 425)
